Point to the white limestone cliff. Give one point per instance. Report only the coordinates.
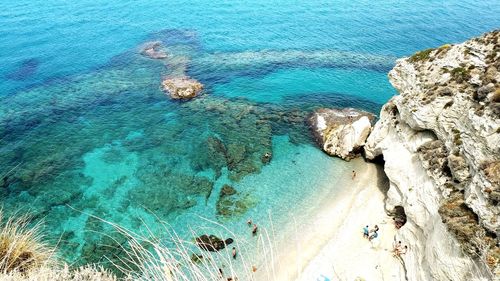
(440, 141)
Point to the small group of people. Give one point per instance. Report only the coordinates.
(254, 228)
(370, 234)
(234, 252)
(398, 249)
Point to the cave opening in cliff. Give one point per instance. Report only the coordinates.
(399, 216)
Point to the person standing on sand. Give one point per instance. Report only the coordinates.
(375, 233)
(353, 174)
(373, 236)
(366, 232)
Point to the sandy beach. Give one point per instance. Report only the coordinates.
(332, 244)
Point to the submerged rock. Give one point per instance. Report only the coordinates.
(26, 70)
(182, 87)
(196, 258)
(212, 243)
(227, 190)
(209, 154)
(341, 132)
(153, 50)
(232, 204)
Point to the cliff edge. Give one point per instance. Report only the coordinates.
(440, 142)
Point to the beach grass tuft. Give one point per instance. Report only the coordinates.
(172, 258)
(145, 256)
(21, 246)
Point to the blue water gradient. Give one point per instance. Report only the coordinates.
(86, 130)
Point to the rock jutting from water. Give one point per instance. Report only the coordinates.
(341, 132)
(440, 140)
(153, 50)
(212, 243)
(182, 87)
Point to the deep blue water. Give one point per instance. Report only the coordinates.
(85, 126)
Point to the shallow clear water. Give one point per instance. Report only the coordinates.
(85, 128)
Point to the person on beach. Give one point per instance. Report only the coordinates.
(234, 253)
(374, 232)
(353, 174)
(254, 230)
(401, 251)
(404, 250)
(366, 232)
(398, 222)
(397, 248)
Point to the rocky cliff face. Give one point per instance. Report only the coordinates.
(440, 140)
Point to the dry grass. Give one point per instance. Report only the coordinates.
(21, 247)
(46, 273)
(171, 258)
(24, 256)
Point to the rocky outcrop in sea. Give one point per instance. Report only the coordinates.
(182, 87)
(341, 132)
(440, 141)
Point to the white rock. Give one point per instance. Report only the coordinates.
(341, 132)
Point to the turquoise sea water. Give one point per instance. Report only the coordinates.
(85, 128)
